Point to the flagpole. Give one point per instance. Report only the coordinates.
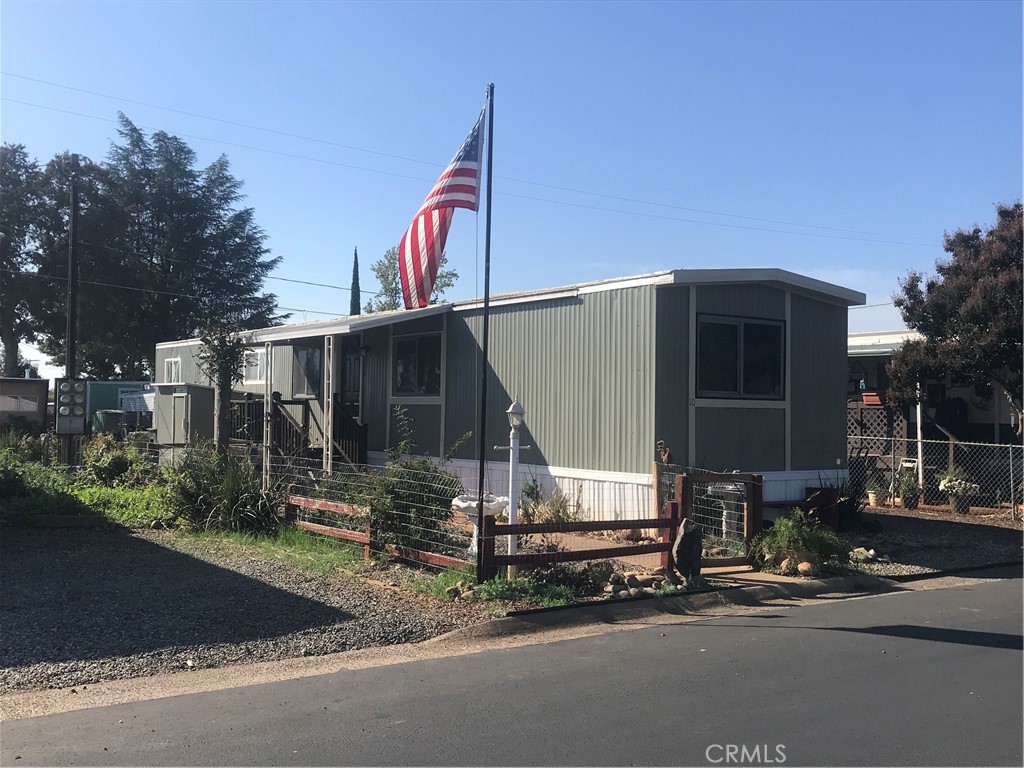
(485, 339)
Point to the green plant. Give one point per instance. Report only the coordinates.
(449, 578)
(558, 507)
(525, 590)
(216, 491)
(906, 484)
(142, 507)
(956, 482)
(796, 535)
(28, 488)
(110, 462)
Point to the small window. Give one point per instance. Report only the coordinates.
(307, 372)
(417, 366)
(254, 366)
(172, 370)
(740, 358)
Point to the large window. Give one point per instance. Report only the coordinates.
(254, 366)
(417, 366)
(740, 358)
(307, 372)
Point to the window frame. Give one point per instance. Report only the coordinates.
(740, 322)
(311, 389)
(261, 355)
(167, 376)
(416, 396)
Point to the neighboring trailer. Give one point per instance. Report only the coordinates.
(23, 404)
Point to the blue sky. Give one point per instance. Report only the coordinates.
(839, 140)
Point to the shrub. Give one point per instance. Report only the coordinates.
(110, 462)
(210, 491)
(558, 507)
(797, 535)
(28, 488)
(524, 589)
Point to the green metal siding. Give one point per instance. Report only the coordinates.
(745, 439)
(751, 300)
(818, 384)
(672, 387)
(582, 367)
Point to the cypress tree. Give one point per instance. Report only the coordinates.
(353, 306)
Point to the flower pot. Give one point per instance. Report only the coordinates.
(877, 498)
(960, 504)
(911, 501)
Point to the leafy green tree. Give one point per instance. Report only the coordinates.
(19, 210)
(389, 297)
(165, 251)
(969, 314)
(354, 297)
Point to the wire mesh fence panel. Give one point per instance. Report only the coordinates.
(402, 509)
(719, 510)
(996, 470)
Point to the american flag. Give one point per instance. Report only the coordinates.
(419, 253)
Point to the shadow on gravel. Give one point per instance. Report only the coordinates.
(78, 594)
(938, 544)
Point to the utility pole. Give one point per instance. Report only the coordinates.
(71, 347)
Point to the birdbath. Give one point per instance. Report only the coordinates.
(466, 505)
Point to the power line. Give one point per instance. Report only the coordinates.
(922, 241)
(151, 290)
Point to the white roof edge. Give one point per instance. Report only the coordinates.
(677, 276)
(771, 275)
(325, 327)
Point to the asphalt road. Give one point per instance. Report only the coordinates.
(917, 678)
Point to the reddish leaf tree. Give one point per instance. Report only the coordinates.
(971, 314)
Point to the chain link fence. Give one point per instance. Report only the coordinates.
(997, 469)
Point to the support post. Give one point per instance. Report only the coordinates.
(487, 570)
(754, 518)
(328, 426)
(668, 534)
(268, 410)
(513, 494)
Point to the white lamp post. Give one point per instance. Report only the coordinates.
(515, 412)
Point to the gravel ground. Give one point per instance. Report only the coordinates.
(926, 541)
(79, 606)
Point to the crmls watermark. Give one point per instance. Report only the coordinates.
(741, 754)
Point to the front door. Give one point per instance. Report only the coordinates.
(351, 375)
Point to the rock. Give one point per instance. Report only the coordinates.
(610, 589)
(788, 567)
(872, 553)
(656, 585)
(686, 551)
(807, 569)
(718, 552)
(646, 581)
(861, 555)
(633, 534)
(633, 591)
(633, 582)
(672, 577)
(649, 591)
(616, 578)
(469, 594)
(452, 592)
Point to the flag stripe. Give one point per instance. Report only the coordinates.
(422, 246)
